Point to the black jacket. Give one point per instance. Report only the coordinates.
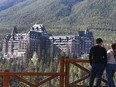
(98, 55)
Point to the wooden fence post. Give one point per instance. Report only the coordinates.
(67, 73)
(6, 78)
(61, 71)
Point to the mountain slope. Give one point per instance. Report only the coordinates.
(96, 13)
(41, 11)
(60, 14)
(4, 4)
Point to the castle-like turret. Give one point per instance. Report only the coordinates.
(39, 28)
(14, 31)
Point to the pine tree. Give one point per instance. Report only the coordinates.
(35, 59)
(26, 57)
(39, 52)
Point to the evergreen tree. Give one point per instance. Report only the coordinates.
(35, 59)
(26, 57)
(39, 52)
(27, 51)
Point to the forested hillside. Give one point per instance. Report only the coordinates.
(5, 4)
(59, 16)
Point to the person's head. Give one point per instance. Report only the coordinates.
(99, 41)
(113, 46)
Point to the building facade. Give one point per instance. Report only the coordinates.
(61, 44)
(85, 41)
(15, 44)
(75, 45)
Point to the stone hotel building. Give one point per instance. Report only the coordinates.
(15, 44)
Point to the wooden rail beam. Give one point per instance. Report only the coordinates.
(81, 79)
(34, 73)
(24, 81)
(82, 86)
(45, 80)
(81, 67)
(77, 60)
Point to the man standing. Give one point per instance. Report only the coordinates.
(98, 60)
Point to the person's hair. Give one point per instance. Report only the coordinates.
(99, 40)
(113, 46)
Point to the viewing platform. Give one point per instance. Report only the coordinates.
(63, 74)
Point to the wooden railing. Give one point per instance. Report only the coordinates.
(76, 63)
(63, 74)
(18, 75)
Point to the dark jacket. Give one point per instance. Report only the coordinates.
(98, 55)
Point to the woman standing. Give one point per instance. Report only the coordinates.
(111, 65)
